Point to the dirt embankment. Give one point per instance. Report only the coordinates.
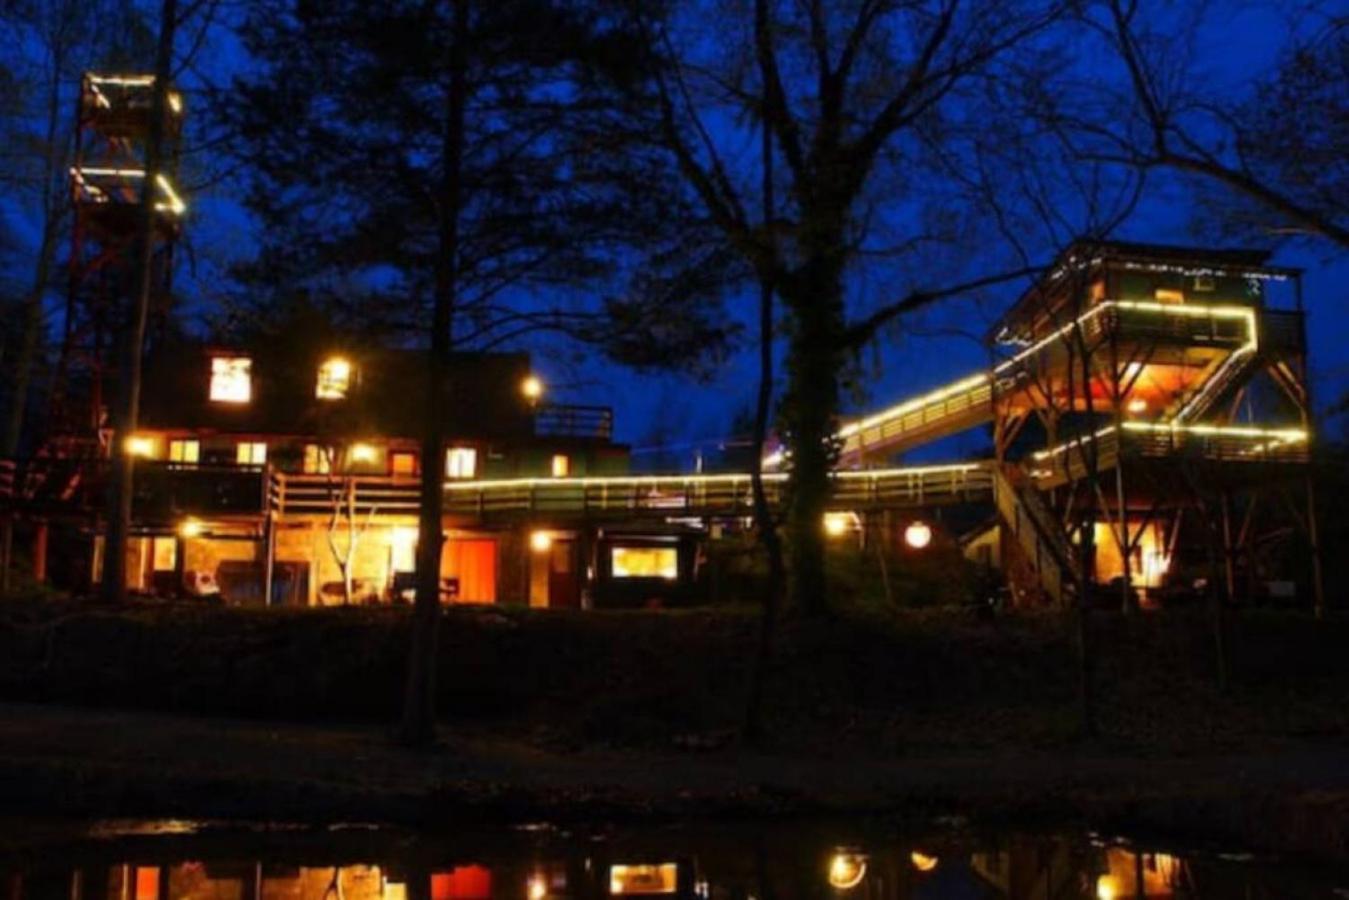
(631, 714)
(909, 684)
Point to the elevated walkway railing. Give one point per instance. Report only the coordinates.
(630, 497)
(969, 402)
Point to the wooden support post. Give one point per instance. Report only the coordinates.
(882, 545)
(1229, 551)
(268, 558)
(6, 552)
(1313, 538)
(40, 532)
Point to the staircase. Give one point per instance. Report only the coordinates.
(1233, 370)
(1037, 533)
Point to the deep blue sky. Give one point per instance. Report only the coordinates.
(681, 412)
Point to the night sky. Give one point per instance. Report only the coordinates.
(680, 413)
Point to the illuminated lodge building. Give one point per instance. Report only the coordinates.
(299, 466)
(1148, 407)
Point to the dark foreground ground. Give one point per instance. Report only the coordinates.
(230, 714)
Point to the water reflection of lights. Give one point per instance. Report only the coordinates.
(922, 862)
(846, 870)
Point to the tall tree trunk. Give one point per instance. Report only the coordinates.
(418, 726)
(763, 515)
(127, 410)
(814, 297)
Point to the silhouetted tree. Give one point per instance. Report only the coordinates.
(425, 159)
(847, 91)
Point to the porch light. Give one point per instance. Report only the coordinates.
(541, 541)
(918, 535)
(846, 870)
(532, 387)
(922, 862)
(836, 524)
(140, 445)
(189, 528)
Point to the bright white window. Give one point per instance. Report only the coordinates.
(316, 460)
(561, 465)
(250, 453)
(645, 562)
(231, 379)
(461, 462)
(184, 451)
(334, 379)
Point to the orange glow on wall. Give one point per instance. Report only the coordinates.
(474, 563)
(462, 883)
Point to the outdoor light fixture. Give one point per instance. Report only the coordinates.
(538, 887)
(1138, 405)
(532, 387)
(140, 445)
(918, 535)
(846, 870)
(1107, 887)
(837, 524)
(541, 541)
(922, 862)
(189, 528)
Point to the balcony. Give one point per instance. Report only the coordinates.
(166, 492)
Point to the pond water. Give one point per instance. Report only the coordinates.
(185, 861)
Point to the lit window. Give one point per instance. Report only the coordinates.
(165, 553)
(645, 562)
(250, 453)
(184, 451)
(363, 455)
(1164, 295)
(317, 460)
(231, 379)
(334, 379)
(403, 463)
(561, 465)
(403, 549)
(140, 445)
(461, 462)
(662, 878)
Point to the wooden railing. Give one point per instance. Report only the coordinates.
(628, 497)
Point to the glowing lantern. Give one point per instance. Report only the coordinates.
(139, 445)
(190, 528)
(922, 862)
(532, 387)
(541, 541)
(918, 535)
(836, 524)
(846, 870)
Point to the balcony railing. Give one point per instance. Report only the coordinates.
(570, 420)
(622, 497)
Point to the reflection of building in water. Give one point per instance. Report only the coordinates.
(1055, 867)
(711, 866)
